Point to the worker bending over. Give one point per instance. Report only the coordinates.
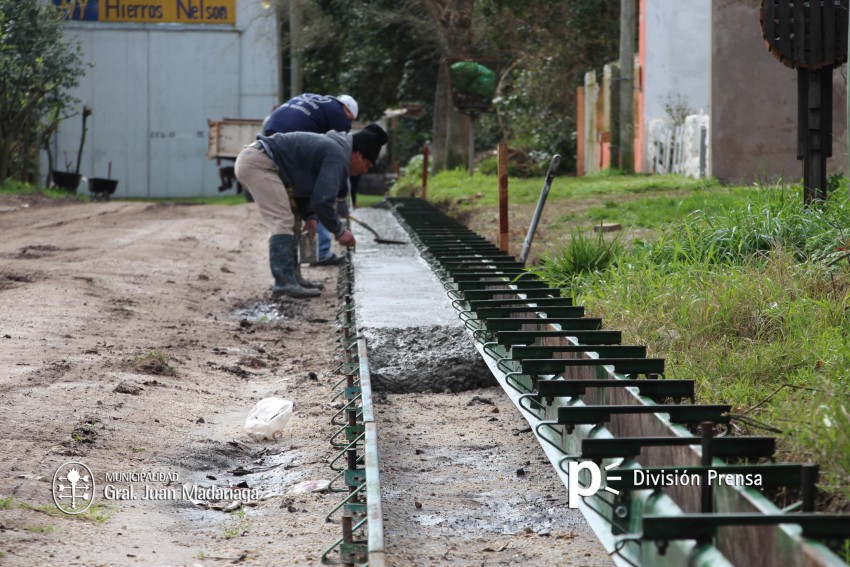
(303, 172)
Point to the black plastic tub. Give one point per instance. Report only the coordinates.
(67, 181)
(101, 188)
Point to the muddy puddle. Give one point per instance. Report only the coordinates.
(266, 311)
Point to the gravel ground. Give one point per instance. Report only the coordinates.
(136, 338)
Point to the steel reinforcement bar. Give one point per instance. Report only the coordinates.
(677, 488)
(355, 441)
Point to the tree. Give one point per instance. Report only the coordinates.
(384, 52)
(38, 67)
(381, 52)
(453, 20)
(549, 45)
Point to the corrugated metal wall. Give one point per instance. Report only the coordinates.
(152, 88)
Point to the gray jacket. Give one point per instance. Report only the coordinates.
(316, 167)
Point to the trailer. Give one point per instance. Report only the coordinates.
(227, 137)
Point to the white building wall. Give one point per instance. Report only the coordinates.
(678, 60)
(152, 87)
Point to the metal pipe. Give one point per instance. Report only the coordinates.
(425, 151)
(471, 145)
(526, 247)
(706, 435)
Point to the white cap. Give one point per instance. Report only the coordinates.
(349, 103)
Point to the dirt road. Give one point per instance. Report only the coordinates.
(170, 303)
(134, 340)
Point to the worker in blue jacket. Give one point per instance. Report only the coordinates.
(310, 112)
(311, 169)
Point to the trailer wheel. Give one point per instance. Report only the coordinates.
(241, 189)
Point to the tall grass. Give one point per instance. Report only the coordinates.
(582, 255)
(774, 219)
(753, 302)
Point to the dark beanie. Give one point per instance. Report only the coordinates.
(368, 141)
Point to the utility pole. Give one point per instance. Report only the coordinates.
(296, 76)
(628, 26)
(278, 47)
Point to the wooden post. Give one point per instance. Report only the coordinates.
(580, 133)
(503, 197)
(628, 27)
(394, 144)
(425, 173)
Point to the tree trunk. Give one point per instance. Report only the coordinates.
(451, 128)
(5, 150)
(628, 27)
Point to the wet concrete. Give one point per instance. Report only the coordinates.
(394, 287)
(416, 340)
(425, 359)
(463, 479)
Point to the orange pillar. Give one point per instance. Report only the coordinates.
(580, 132)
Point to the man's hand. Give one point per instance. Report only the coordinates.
(310, 228)
(346, 238)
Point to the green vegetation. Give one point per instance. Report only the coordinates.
(97, 513)
(38, 529)
(584, 255)
(740, 288)
(748, 297)
(13, 187)
(458, 187)
(657, 211)
(233, 199)
(7, 502)
(40, 68)
(368, 200)
(237, 524)
(155, 362)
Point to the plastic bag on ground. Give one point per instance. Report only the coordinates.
(268, 418)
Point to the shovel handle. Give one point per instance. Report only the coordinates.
(550, 175)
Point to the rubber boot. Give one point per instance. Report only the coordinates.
(282, 263)
(302, 281)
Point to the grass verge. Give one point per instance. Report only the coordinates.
(751, 300)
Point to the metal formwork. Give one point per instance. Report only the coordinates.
(355, 439)
(589, 398)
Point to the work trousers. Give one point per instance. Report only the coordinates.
(259, 175)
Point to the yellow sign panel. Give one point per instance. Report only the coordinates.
(168, 11)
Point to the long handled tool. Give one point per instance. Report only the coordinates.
(526, 247)
(378, 238)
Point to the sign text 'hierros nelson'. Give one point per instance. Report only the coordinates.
(150, 11)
